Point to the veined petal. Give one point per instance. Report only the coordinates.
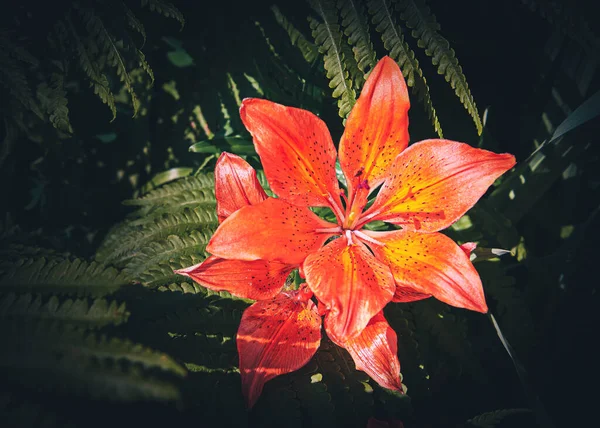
(296, 151)
(271, 230)
(431, 263)
(434, 182)
(376, 129)
(406, 294)
(275, 337)
(352, 284)
(256, 280)
(236, 185)
(375, 351)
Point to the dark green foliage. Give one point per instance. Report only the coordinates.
(97, 330)
(333, 48)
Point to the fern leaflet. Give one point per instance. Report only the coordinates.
(329, 39)
(419, 18)
(393, 41)
(356, 28)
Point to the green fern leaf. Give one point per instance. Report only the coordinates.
(14, 80)
(309, 50)
(180, 223)
(97, 31)
(62, 276)
(393, 41)
(80, 312)
(98, 80)
(152, 264)
(450, 334)
(134, 23)
(356, 28)
(419, 18)
(168, 194)
(328, 37)
(495, 418)
(44, 357)
(53, 100)
(166, 9)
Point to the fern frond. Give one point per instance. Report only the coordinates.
(309, 50)
(180, 223)
(50, 276)
(145, 66)
(356, 28)
(99, 313)
(212, 314)
(450, 334)
(167, 194)
(97, 31)
(393, 41)
(134, 23)
(53, 99)
(14, 80)
(425, 29)
(165, 8)
(98, 80)
(44, 357)
(328, 37)
(152, 263)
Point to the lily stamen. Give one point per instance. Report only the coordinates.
(349, 237)
(329, 230)
(367, 238)
(336, 210)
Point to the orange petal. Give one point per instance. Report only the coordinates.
(296, 151)
(376, 129)
(375, 352)
(270, 230)
(275, 337)
(351, 284)
(256, 280)
(432, 264)
(405, 294)
(434, 182)
(236, 185)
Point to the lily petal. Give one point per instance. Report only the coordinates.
(431, 263)
(256, 280)
(375, 351)
(376, 129)
(236, 185)
(275, 337)
(434, 182)
(352, 284)
(271, 230)
(406, 294)
(296, 151)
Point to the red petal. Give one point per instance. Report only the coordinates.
(431, 263)
(270, 230)
(375, 351)
(236, 185)
(434, 182)
(352, 285)
(275, 337)
(468, 247)
(376, 129)
(296, 151)
(256, 280)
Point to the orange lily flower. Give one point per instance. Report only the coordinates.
(423, 188)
